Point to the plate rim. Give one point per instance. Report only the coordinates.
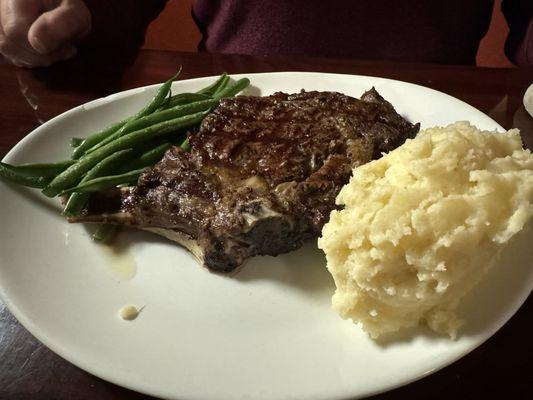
(71, 357)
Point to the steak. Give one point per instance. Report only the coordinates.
(261, 176)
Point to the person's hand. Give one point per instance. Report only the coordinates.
(38, 33)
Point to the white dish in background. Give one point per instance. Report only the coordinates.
(269, 332)
(528, 100)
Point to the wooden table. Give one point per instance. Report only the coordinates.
(28, 370)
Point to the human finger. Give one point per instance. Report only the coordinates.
(23, 57)
(63, 25)
(16, 17)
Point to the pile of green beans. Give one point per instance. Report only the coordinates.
(118, 154)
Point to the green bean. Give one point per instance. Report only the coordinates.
(222, 86)
(233, 89)
(152, 156)
(158, 99)
(97, 137)
(75, 141)
(11, 174)
(154, 104)
(104, 233)
(72, 175)
(77, 201)
(75, 204)
(146, 159)
(155, 118)
(150, 145)
(43, 169)
(106, 182)
(185, 145)
(211, 89)
(185, 98)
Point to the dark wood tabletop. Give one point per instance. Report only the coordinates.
(501, 366)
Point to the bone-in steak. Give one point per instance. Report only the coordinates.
(261, 176)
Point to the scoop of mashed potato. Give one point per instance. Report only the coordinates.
(422, 225)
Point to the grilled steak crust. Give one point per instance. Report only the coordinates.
(262, 174)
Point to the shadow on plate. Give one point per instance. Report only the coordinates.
(251, 91)
(492, 301)
(304, 269)
(485, 309)
(36, 198)
(408, 335)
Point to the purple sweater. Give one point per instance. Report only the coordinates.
(410, 30)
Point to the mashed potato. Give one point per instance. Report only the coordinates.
(423, 224)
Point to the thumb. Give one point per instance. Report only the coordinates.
(68, 22)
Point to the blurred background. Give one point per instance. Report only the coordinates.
(165, 34)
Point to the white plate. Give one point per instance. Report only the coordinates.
(268, 332)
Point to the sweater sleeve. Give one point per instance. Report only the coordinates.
(121, 24)
(519, 43)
